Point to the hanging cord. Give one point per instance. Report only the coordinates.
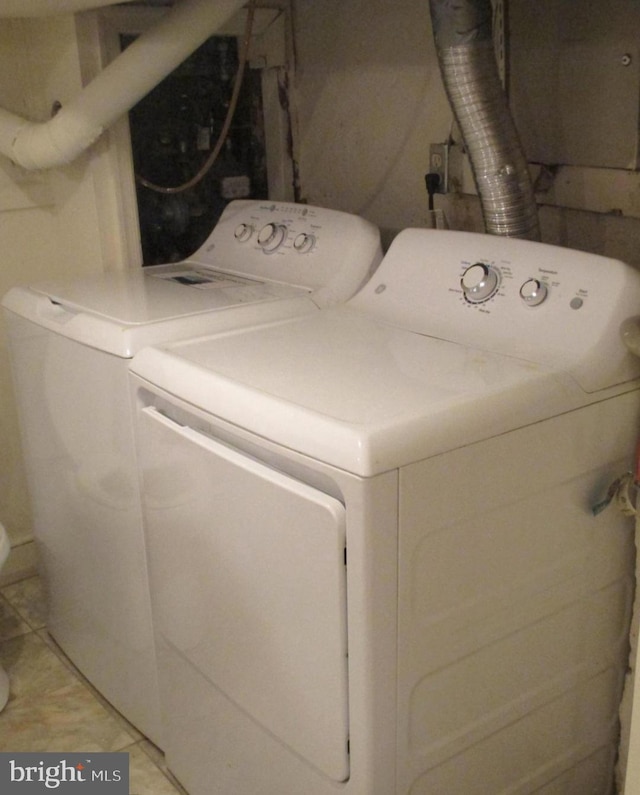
(227, 122)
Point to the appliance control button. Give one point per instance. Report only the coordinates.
(243, 232)
(533, 292)
(479, 282)
(272, 236)
(304, 242)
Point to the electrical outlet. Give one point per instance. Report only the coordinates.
(445, 160)
(439, 164)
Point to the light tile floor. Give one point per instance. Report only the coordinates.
(52, 707)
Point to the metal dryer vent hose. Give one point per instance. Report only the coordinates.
(464, 44)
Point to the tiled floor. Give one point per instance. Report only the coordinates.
(52, 707)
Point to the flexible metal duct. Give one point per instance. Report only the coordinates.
(116, 89)
(462, 32)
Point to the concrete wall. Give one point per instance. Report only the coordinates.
(369, 100)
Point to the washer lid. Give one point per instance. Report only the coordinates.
(320, 257)
(121, 313)
(164, 292)
(355, 392)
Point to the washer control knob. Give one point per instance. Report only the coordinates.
(304, 242)
(243, 232)
(272, 236)
(533, 292)
(479, 282)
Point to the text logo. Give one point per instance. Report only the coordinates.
(65, 774)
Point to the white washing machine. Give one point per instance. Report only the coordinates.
(373, 560)
(71, 345)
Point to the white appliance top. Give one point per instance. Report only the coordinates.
(456, 338)
(263, 260)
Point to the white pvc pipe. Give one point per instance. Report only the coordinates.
(154, 55)
(43, 8)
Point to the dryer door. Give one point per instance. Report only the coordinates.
(248, 584)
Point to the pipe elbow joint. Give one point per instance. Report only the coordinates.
(54, 143)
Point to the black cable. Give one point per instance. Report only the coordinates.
(432, 182)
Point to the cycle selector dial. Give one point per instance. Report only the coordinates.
(479, 282)
(272, 236)
(533, 292)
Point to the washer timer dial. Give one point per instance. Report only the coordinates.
(479, 282)
(272, 236)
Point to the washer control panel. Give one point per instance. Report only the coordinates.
(273, 235)
(330, 253)
(549, 305)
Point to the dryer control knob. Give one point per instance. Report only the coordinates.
(272, 236)
(243, 232)
(479, 282)
(304, 242)
(533, 292)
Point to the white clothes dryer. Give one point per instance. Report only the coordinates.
(374, 565)
(71, 345)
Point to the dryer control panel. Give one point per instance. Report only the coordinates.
(552, 306)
